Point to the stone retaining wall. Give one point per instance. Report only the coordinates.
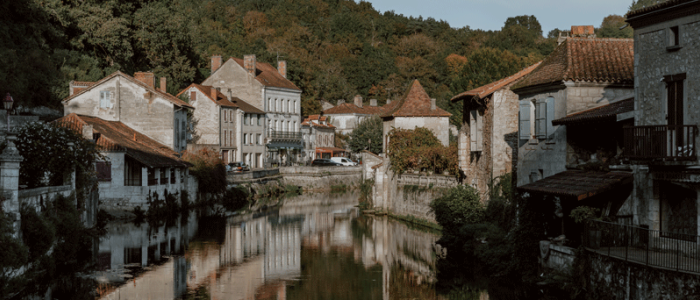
(246, 176)
(37, 197)
(321, 178)
(556, 257)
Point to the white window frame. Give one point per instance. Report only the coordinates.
(105, 99)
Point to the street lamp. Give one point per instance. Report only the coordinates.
(7, 102)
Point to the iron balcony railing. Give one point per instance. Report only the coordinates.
(672, 251)
(291, 135)
(660, 142)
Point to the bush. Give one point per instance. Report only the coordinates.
(209, 170)
(459, 206)
(366, 193)
(37, 232)
(583, 213)
(234, 199)
(367, 136)
(420, 149)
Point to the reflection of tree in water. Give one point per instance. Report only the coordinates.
(405, 284)
(335, 275)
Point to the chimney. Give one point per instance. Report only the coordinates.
(372, 102)
(162, 85)
(388, 101)
(249, 63)
(358, 100)
(583, 31)
(145, 77)
(282, 68)
(432, 104)
(340, 101)
(87, 132)
(215, 63)
(213, 93)
(230, 95)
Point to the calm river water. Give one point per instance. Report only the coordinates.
(316, 246)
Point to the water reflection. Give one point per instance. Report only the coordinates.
(314, 247)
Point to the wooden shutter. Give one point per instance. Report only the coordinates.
(550, 118)
(472, 130)
(193, 96)
(103, 170)
(479, 132)
(525, 120)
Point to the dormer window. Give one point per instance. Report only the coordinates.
(673, 42)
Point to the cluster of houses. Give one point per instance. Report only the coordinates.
(601, 122)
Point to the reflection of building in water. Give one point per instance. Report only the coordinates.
(283, 247)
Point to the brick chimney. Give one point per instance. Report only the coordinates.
(372, 102)
(87, 132)
(215, 63)
(583, 31)
(249, 63)
(340, 101)
(282, 68)
(358, 100)
(433, 106)
(162, 85)
(213, 93)
(230, 95)
(146, 77)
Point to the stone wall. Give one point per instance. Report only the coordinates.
(233, 76)
(556, 257)
(615, 279)
(411, 194)
(321, 178)
(38, 197)
(440, 126)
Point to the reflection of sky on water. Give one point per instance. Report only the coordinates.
(300, 251)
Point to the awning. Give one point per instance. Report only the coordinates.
(578, 184)
(281, 146)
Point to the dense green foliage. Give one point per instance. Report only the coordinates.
(235, 198)
(458, 207)
(37, 232)
(610, 28)
(418, 150)
(209, 170)
(367, 136)
(53, 150)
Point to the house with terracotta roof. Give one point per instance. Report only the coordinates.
(319, 139)
(267, 89)
(488, 140)
(416, 109)
(227, 124)
(573, 108)
(136, 102)
(136, 165)
(347, 116)
(661, 145)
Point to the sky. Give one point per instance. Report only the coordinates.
(491, 14)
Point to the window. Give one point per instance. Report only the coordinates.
(105, 99)
(275, 108)
(225, 116)
(476, 131)
(183, 131)
(288, 101)
(252, 119)
(295, 106)
(550, 117)
(541, 119)
(295, 126)
(260, 118)
(673, 38)
(245, 119)
(245, 138)
(132, 173)
(193, 96)
(104, 171)
(230, 136)
(259, 139)
(269, 104)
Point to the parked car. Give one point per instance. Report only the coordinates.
(237, 167)
(324, 162)
(344, 161)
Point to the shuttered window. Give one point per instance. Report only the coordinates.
(525, 119)
(103, 170)
(193, 96)
(476, 129)
(550, 118)
(105, 99)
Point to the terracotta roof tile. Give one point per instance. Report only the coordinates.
(661, 4)
(116, 136)
(351, 108)
(269, 76)
(488, 89)
(603, 113)
(246, 107)
(82, 83)
(578, 184)
(166, 96)
(222, 100)
(416, 103)
(585, 59)
(308, 121)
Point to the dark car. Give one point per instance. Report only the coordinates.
(238, 166)
(324, 162)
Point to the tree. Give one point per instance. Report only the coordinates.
(367, 136)
(610, 28)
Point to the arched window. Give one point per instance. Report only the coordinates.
(288, 101)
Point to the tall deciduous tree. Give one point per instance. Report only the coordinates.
(610, 28)
(367, 136)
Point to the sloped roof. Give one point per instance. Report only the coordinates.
(116, 136)
(660, 5)
(488, 89)
(351, 108)
(82, 83)
(308, 121)
(222, 100)
(599, 114)
(578, 184)
(416, 103)
(268, 75)
(585, 59)
(166, 96)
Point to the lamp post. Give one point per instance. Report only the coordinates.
(7, 102)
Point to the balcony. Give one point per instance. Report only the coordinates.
(660, 142)
(164, 180)
(285, 135)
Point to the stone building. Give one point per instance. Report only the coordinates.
(416, 109)
(267, 89)
(661, 145)
(227, 124)
(319, 138)
(346, 116)
(135, 165)
(488, 141)
(136, 102)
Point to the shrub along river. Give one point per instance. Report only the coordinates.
(315, 246)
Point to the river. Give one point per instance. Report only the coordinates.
(316, 246)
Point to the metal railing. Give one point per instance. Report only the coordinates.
(295, 135)
(672, 251)
(660, 142)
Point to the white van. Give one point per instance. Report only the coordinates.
(344, 161)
